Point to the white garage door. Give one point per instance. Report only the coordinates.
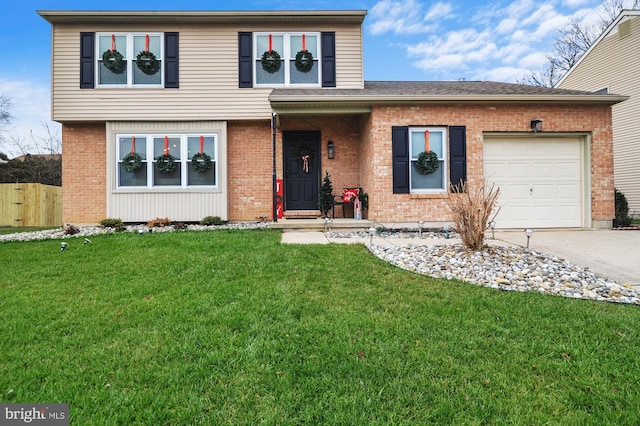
(540, 178)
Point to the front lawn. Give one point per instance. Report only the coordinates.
(231, 327)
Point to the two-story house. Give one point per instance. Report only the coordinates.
(610, 66)
(185, 114)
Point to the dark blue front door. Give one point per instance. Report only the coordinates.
(301, 170)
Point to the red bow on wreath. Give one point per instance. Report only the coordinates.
(305, 163)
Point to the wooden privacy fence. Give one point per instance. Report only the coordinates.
(30, 204)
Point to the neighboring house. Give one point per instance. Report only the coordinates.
(610, 66)
(266, 131)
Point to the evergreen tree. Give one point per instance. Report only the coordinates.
(325, 199)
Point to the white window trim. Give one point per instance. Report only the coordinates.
(131, 60)
(286, 59)
(445, 160)
(185, 161)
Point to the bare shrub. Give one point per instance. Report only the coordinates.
(159, 222)
(473, 208)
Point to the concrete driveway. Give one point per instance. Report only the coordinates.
(612, 254)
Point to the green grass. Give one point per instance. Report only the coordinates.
(231, 327)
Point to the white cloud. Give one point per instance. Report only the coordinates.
(460, 49)
(439, 10)
(403, 17)
(489, 42)
(31, 111)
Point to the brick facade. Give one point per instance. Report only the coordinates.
(480, 119)
(84, 173)
(363, 157)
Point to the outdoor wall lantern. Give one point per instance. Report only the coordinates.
(331, 150)
(536, 126)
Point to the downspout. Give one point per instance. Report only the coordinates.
(274, 183)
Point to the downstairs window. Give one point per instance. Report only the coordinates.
(166, 161)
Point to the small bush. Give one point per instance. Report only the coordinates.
(179, 226)
(622, 210)
(112, 222)
(69, 229)
(159, 222)
(212, 220)
(472, 210)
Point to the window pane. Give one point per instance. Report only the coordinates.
(193, 146)
(136, 178)
(311, 45)
(435, 142)
(125, 146)
(262, 45)
(107, 76)
(154, 44)
(207, 177)
(173, 147)
(167, 179)
(299, 77)
(418, 144)
(140, 77)
(104, 43)
(264, 77)
(431, 181)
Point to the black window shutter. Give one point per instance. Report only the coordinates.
(87, 50)
(400, 153)
(245, 60)
(458, 156)
(171, 66)
(328, 49)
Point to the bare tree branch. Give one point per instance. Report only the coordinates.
(573, 42)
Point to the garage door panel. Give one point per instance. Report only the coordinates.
(518, 170)
(540, 180)
(544, 193)
(568, 192)
(495, 170)
(543, 213)
(568, 170)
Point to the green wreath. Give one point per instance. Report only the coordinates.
(113, 61)
(166, 163)
(303, 150)
(304, 61)
(427, 162)
(132, 162)
(201, 162)
(147, 62)
(271, 61)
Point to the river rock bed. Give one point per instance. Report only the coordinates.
(507, 269)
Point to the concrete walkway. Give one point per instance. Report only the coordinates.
(611, 254)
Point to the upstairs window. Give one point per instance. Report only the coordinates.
(129, 59)
(287, 59)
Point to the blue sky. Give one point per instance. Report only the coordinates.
(498, 40)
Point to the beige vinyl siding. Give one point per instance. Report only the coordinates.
(615, 64)
(208, 78)
(143, 204)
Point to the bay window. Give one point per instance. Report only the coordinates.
(151, 149)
